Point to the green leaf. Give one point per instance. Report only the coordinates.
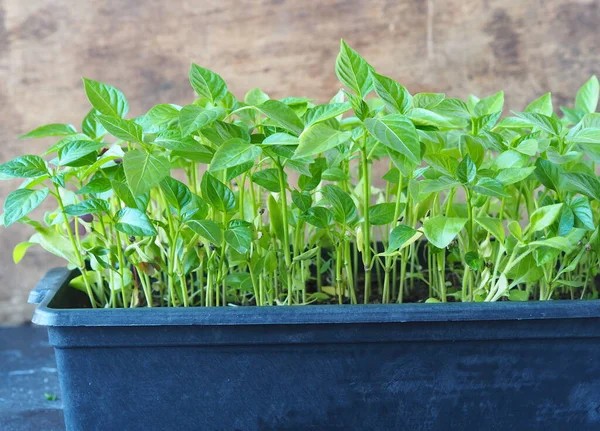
(491, 187)
(427, 100)
(586, 99)
(162, 115)
(53, 242)
(240, 238)
(207, 83)
(543, 122)
(144, 170)
(586, 184)
(529, 147)
(515, 229)
(353, 71)
(541, 105)
(381, 214)
(282, 115)
(583, 212)
(126, 130)
(441, 230)
(397, 133)
(302, 200)
(21, 202)
(325, 112)
(490, 105)
(549, 174)
(50, 130)
(425, 117)
(466, 170)
(20, 250)
(233, 153)
(543, 217)
(96, 185)
(399, 236)
(255, 97)
(106, 99)
(132, 221)
(88, 206)
(558, 242)
(79, 153)
(318, 216)
(343, 206)
(512, 176)
(177, 194)
(91, 127)
(24, 167)
(268, 179)
(396, 98)
(217, 194)
(566, 221)
(318, 139)
(193, 117)
(280, 139)
(493, 226)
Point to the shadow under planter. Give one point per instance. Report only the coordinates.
(455, 366)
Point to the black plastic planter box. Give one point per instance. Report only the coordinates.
(501, 366)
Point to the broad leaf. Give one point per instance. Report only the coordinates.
(233, 153)
(193, 117)
(353, 71)
(24, 167)
(318, 139)
(239, 237)
(217, 194)
(207, 83)
(282, 115)
(543, 217)
(400, 236)
(440, 230)
(106, 99)
(126, 130)
(21, 202)
(586, 99)
(343, 206)
(50, 130)
(132, 221)
(144, 170)
(88, 206)
(396, 98)
(397, 133)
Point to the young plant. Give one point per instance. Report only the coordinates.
(279, 202)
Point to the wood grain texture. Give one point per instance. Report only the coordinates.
(284, 47)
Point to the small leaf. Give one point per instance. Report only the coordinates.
(541, 105)
(126, 130)
(21, 202)
(493, 226)
(144, 170)
(132, 221)
(24, 167)
(282, 115)
(353, 71)
(50, 130)
(276, 218)
(217, 194)
(207, 83)
(512, 176)
(582, 211)
(177, 194)
(586, 184)
(193, 117)
(318, 216)
(325, 112)
(400, 236)
(106, 99)
(543, 122)
(491, 187)
(397, 133)
(466, 170)
(396, 98)
(343, 206)
(427, 100)
(440, 230)
(20, 250)
(515, 229)
(543, 217)
(233, 153)
(549, 174)
(79, 153)
(268, 179)
(318, 139)
(239, 237)
(586, 99)
(88, 206)
(381, 214)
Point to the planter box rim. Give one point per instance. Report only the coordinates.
(58, 278)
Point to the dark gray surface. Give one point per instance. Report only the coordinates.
(27, 372)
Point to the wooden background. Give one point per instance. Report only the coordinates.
(284, 47)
